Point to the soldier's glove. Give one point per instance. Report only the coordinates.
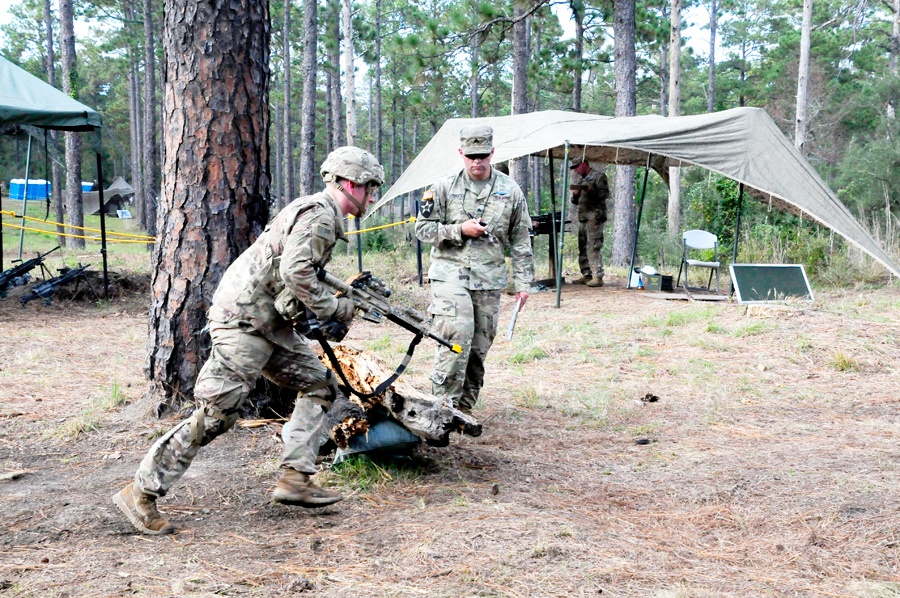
(334, 330)
(344, 312)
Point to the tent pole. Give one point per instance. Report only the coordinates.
(102, 219)
(25, 197)
(737, 230)
(418, 247)
(637, 224)
(562, 225)
(551, 253)
(737, 224)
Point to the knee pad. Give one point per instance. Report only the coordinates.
(202, 431)
(324, 393)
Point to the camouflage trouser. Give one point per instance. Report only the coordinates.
(239, 355)
(590, 243)
(469, 319)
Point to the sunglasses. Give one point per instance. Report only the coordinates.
(478, 156)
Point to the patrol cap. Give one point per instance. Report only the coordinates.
(476, 139)
(575, 163)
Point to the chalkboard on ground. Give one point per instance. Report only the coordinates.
(756, 283)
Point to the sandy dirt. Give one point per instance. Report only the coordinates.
(633, 446)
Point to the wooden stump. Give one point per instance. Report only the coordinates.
(422, 413)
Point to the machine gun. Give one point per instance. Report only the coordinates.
(19, 274)
(370, 297)
(46, 289)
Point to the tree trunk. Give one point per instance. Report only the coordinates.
(55, 171)
(134, 118)
(801, 123)
(349, 73)
(519, 168)
(334, 53)
(151, 152)
(664, 79)
(308, 115)
(278, 182)
(379, 136)
(287, 185)
(894, 57)
(674, 213)
(74, 211)
(215, 178)
(711, 79)
(626, 105)
(474, 45)
(578, 14)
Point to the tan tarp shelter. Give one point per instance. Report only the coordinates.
(742, 144)
(116, 197)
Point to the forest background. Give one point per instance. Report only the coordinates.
(386, 74)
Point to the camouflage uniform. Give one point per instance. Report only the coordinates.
(468, 275)
(591, 213)
(252, 334)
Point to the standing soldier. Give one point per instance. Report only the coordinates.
(251, 324)
(589, 192)
(470, 219)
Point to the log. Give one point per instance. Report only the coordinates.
(422, 413)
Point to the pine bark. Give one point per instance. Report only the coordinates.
(801, 123)
(711, 76)
(349, 72)
(518, 168)
(287, 184)
(626, 105)
(55, 170)
(578, 15)
(674, 207)
(308, 110)
(215, 178)
(74, 208)
(150, 168)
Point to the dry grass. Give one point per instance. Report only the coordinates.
(769, 465)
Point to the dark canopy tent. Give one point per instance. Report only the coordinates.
(742, 144)
(26, 100)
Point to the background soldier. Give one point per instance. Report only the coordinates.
(251, 324)
(470, 219)
(589, 189)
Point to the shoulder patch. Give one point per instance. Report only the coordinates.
(323, 231)
(427, 206)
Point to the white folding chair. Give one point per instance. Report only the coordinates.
(699, 240)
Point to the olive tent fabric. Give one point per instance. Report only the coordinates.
(26, 100)
(743, 144)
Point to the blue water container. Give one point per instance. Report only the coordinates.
(86, 186)
(37, 189)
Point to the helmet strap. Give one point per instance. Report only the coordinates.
(361, 208)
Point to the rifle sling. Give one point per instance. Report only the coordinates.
(316, 333)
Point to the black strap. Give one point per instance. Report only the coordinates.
(316, 333)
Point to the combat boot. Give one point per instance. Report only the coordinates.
(141, 511)
(583, 280)
(296, 489)
(596, 281)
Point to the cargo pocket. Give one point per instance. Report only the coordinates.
(443, 307)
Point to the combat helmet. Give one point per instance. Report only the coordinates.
(354, 164)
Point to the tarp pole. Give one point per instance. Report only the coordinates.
(737, 230)
(562, 224)
(418, 248)
(737, 224)
(102, 219)
(25, 197)
(637, 224)
(552, 248)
